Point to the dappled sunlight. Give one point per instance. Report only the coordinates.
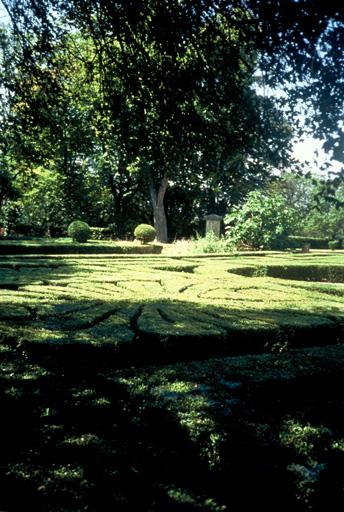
(87, 417)
(257, 422)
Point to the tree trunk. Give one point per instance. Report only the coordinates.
(157, 198)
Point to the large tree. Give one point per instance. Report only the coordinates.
(56, 140)
(176, 87)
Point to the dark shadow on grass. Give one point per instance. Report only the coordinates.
(181, 438)
(79, 431)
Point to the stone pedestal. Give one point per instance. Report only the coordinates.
(213, 224)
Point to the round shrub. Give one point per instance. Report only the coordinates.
(145, 233)
(334, 244)
(79, 231)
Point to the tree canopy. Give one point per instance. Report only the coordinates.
(171, 95)
(299, 42)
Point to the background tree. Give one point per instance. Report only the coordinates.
(7, 188)
(318, 213)
(175, 85)
(49, 143)
(326, 218)
(300, 45)
(263, 221)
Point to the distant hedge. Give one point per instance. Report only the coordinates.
(315, 273)
(335, 244)
(19, 249)
(297, 242)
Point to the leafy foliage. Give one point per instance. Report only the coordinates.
(103, 233)
(262, 222)
(155, 107)
(297, 242)
(139, 98)
(326, 221)
(324, 216)
(7, 187)
(210, 243)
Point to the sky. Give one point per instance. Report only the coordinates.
(304, 151)
(3, 14)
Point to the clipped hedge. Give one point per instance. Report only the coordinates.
(145, 233)
(335, 244)
(156, 438)
(19, 249)
(315, 273)
(79, 231)
(255, 421)
(297, 242)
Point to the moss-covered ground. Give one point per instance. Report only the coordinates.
(160, 383)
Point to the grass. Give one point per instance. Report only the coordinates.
(178, 383)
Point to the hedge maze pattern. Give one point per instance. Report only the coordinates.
(195, 305)
(85, 428)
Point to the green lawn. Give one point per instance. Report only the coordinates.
(172, 383)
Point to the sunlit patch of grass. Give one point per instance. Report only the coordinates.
(209, 302)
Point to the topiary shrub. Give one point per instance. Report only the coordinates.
(334, 244)
(79, 231)
(145, 233)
